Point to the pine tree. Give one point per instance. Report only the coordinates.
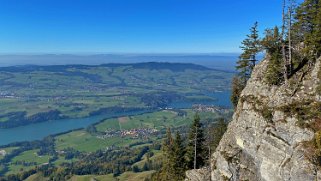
(195, 152)
(178, 158)
(317, 32)
(251, 47)
(214, 134)
(243, 67)
(308, 24)
(167, 148)
(173, 159)
(272, 43)
(219, 128)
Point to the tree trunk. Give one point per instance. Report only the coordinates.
(285, 67)
(195, 148)
(289, 37)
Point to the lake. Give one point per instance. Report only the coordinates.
(221, 99)
(40, 130)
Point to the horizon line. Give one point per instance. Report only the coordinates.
(115, 53)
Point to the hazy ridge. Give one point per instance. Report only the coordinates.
(217, 61)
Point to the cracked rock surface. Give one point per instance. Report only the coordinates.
(259, 147)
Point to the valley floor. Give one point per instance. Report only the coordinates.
(140, 135)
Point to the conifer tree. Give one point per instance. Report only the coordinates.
(167, 148)
(173, 159)
(308, 24)
(195, 152)
(317, 31)
(272, 43)
(177, 158)
(251, 47)
(218, 131)
(214, 134)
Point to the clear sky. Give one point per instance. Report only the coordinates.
(131, 26)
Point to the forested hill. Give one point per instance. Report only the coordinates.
(146, 65)
(165, 65)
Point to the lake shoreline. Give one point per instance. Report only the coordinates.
(40, 130)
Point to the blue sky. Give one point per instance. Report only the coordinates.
(131, 26)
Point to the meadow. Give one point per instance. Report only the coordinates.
(86, 142)
(32, 94)
(37, 93)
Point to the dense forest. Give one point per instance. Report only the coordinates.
(195, 153)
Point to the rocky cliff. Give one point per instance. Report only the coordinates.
(272, 134)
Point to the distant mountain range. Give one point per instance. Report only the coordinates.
(178, 67)
(216, 61)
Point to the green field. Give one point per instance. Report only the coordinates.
(28, 157)
(88, 142)
(85, 142)
(34, 94)
(93, 177)
(157, 155)
(158, 120)
(80, 91)
(127, 176)
(62, 160)
(7, 150)
(130, 176)
(36, 177)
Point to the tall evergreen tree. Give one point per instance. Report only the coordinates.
(218, 130)
(308, 24)
(173, 168)
(272, 43)
(195, 152)
(214, 134)
(251, 47)
(317, 32)
(167, 148)
(177, 158)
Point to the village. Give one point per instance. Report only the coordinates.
(133, 133)
(3, 152)
(206, 108)
(5, 94)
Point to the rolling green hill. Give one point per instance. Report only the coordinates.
(30, 94)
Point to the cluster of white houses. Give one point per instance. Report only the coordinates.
(133, 133)
(3, 152)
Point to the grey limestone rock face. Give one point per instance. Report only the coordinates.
(198, 175)
(263, 142)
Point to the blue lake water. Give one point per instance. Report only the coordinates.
(40, 130)
(221, 99)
